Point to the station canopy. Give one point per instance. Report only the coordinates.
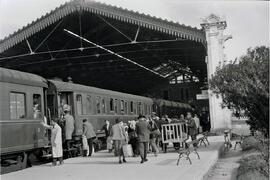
(106, 46)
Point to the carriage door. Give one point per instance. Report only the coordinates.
(65, 98)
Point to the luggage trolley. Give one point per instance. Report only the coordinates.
(174, 133)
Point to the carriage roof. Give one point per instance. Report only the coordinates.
(68, 86)
(18, 77)
(163, 102)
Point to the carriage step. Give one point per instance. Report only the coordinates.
(47, 155)
(10, 162)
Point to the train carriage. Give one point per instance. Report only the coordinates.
(22, 110)
(171, 108)
(26, 98)
(95, 104)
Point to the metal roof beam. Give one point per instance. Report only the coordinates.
(118, 55)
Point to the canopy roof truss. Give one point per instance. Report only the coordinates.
(125, 50)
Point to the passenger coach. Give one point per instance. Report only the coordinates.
(95, 104)
(26, 98)
(22, 110)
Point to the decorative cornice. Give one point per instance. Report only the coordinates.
(213, 20)
(118, 13)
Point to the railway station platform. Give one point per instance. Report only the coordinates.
(103, 165)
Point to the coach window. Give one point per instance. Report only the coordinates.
(111, 104)
(17, 105)
(145, 109)
(79, 104)
(122, 106)
(103, 104)
(88, 104)
(98, 104)
(131, 106)
(126, 107)
(134, 108)
(36, 106)
(139, 109)
(115, 105)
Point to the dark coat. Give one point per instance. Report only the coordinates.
(153, 129)
(192, 129)
(143, 132)
(88, 130)
(107, 131)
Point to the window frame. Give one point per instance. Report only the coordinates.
(98, 102)
(122, 106)
(111, 104)
(88, 104)
(81, 104)
(40, 105)
(115, 105)
(103, 106)
(131, 103)
(126, 107)
(25, 107)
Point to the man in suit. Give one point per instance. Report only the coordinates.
(90, 134)
(69, 126)
(107, 129)
(143, 132)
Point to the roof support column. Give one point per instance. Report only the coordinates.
(213, 26)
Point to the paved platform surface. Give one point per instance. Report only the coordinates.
(226, 166)
(104, 165)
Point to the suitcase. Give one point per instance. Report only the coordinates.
(85, 146)
(127, 150)
(109, 143)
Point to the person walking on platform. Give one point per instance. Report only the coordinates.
(69, 126)
(182, 118)
(192, 129)
(197, 122)
(119, 138)
(153, 136)
(175, 120)
(90, 134)
(133, 137)
(56, 141)
(107, 129)
(156, 120)
(142, 129)
(167, 119)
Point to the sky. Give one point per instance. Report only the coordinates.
(247, 21)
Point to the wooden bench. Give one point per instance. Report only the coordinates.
(188, 148)
(238, 142)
